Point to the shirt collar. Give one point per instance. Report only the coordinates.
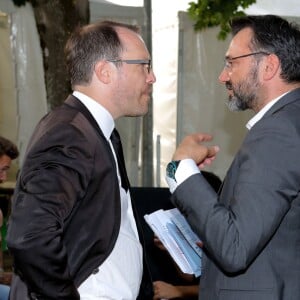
(262, 112)
(102, 116)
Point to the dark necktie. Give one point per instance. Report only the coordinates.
(146, 284)
(116, 142)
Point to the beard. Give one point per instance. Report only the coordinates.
(244, 93)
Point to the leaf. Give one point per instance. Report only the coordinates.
(211, 13)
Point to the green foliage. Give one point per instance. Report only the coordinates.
(210, 13)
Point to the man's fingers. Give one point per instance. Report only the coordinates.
(212, 151)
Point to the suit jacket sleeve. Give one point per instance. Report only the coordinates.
(257, 193)
(54, 176)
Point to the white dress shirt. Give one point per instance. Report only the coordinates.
(120, 275)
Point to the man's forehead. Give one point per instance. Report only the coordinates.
(240, 42)
(133, 42)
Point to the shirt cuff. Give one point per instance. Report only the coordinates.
(186, 168)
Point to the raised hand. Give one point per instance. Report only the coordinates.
(193, 146)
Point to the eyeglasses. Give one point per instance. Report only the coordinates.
(228, 60)
(135, 62)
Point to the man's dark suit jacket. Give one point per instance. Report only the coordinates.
(66, 207)
(251, 231)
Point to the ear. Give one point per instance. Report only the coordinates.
(271, 66)
(103, 71)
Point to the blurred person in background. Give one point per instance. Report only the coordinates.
(8, 152)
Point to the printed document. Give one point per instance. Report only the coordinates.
(179, 239)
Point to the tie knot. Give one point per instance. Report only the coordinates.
(115, 136)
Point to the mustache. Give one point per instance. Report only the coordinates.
(228, 85)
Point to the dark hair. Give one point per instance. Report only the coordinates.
(8, 148)
(273, 34)
(91, 43)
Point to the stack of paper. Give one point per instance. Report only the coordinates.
(175, 233)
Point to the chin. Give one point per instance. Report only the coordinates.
(143, 109)
(140, 113)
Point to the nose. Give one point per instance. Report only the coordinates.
(3, 175)
(151, 77)
(224, 76)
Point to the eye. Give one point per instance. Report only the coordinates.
(147, 66)
(227, 63)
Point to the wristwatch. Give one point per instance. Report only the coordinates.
(171, 168)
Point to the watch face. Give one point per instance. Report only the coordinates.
(171, 168)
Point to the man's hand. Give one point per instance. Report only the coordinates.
(163, 290)
(157, 242)
(192, 147)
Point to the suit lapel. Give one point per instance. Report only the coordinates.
(75, 103)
